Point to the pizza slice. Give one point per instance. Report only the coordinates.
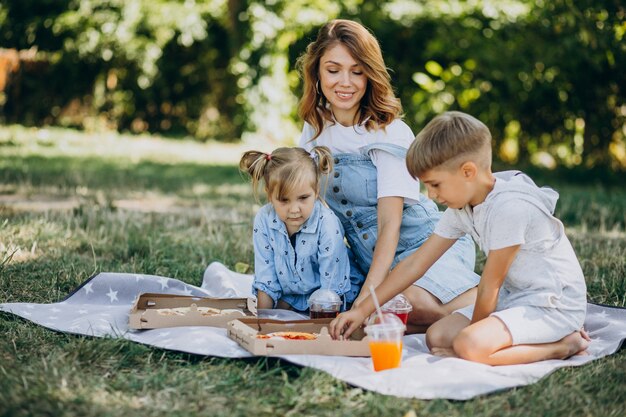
(181, 311)
(175, 311)
(289, 335)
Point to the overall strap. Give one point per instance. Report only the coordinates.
(392, 148)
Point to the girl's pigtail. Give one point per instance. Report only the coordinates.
(253, 163)
(324, 162)
(324, 159)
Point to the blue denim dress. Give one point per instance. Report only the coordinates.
(318, 260)
(352, 194)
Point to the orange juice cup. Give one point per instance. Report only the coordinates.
(386, 354)
(385, 341)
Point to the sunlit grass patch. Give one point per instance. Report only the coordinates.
(19, 141)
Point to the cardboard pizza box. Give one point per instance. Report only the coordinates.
(147, 311)
(245, 330)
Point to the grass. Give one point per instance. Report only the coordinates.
(72, 205)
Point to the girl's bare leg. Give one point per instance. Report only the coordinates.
(489, 341)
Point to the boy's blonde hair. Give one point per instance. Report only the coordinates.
(379, 106)
(448, 141)
(286, 168)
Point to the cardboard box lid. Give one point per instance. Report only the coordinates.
(144, 314)
(245, 330)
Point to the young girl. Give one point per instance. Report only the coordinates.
(298, 242)
(348, 105)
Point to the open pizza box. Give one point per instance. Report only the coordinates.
(154, 311)
(249, 333)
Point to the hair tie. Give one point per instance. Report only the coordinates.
(268, 157)
(313, 155)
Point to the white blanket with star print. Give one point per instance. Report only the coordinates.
(100, 307)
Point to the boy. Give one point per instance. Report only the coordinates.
(531, 299)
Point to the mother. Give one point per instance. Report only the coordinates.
(348, 105)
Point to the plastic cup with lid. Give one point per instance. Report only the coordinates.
(324, 303)
(400, 306)
(385, 340)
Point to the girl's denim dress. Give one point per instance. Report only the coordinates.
(351, 193)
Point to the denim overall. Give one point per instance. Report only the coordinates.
(352, 194)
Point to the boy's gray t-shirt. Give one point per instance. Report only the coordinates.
(545, 272)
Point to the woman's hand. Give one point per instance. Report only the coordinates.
(346, 323)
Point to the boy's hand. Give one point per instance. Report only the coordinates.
(359, 300)
(346, 323)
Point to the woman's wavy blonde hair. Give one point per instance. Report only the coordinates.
(286, 168)
(379, 106)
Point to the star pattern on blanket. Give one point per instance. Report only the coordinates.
(88, 288)
(112, 295)
(164, 282)
(602, 315)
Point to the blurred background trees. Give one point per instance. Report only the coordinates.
(546, 76)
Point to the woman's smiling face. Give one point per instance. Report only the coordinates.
(343, 83)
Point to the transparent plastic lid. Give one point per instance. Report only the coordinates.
(398, 304)
(390, 322)
(324, 298)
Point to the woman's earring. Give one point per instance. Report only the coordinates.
(317, 88)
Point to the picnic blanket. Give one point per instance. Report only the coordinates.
(100, 306)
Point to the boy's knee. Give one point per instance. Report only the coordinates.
(436, 337)
(467, 347)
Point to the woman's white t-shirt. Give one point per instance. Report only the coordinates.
(393, 177)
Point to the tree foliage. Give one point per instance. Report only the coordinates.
(545, 76)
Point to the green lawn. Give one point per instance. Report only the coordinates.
(72, 205)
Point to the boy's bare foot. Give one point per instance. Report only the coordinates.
(584, 334)
(576, 343)
(444, 352)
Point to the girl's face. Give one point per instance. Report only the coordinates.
(343, 83)
(295, 207)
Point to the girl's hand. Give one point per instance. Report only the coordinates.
(264, 301)
(346, 323)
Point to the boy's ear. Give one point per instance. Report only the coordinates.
(469, 170)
